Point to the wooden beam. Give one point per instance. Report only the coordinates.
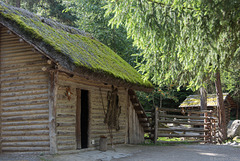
(186, 123)
(0, 99)
(183, 129)
(156, 126)
(179, 135)
(53, 87)
(184, 117)
(186, 111)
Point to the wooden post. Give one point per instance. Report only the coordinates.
(206, 128)
(221, 109)
(210, 127)
(156, 125)
(214, 131)
(53, 87)
(0, 99)
(203, 99)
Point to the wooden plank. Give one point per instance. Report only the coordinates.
(0, 91)
(53, 89)
(180, 142)
(156, 125)
(179, 135)
(27, 144)
(186, 111)
(182, 117)
(186, 123)
(183, 129)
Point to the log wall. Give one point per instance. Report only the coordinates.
(66, 113)
(24, 96)
(135, 130)
(24, 104)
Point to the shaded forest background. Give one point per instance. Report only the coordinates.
(88, 15)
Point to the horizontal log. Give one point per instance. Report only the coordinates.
(180, 142)
(186, 123)
(23, 60)
(25, 103)
(24, 93)
(66, 137)
(27, 127)
(68, 147)
(183, 117)
(66, 133)
(66, 142)
(26, 108)
(25, 133)
(25, 138)
(37, 74)
(25, 97)
(183, 129)
(24, 87)
(21, 118)
(19, 123)
(28, 144)
(186, 111)
(23, 113)
(64, 124)
(24, 149)
(179, 135)
(8, 72)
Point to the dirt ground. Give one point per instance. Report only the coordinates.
(142, 153)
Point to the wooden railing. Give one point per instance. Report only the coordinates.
(200, 126)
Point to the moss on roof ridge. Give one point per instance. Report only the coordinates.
(81, 49)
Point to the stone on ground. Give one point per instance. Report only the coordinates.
(234, 129)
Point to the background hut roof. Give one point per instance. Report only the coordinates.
(71, 48)
(194, 100)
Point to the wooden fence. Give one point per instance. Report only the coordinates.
(190, 125)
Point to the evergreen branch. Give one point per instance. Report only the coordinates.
(167, 5)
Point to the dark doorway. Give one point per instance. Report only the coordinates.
(82, 116)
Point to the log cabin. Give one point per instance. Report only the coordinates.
(62, 90)
(193, 102)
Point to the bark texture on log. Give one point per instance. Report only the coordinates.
(203, 94)
(221, 109)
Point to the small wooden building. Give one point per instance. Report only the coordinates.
(61, 89)
(193, 102)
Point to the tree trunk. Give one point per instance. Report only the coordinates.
(18, 3)
(203, 94)
(220, 109)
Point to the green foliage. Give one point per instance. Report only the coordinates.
(182, 42)
(171, 97)
(47, 8)
(90, 14)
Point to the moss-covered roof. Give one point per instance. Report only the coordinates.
(194, 100)
(68, 46)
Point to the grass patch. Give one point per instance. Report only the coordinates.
(168, 139)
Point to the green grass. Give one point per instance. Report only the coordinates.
(168, 139)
